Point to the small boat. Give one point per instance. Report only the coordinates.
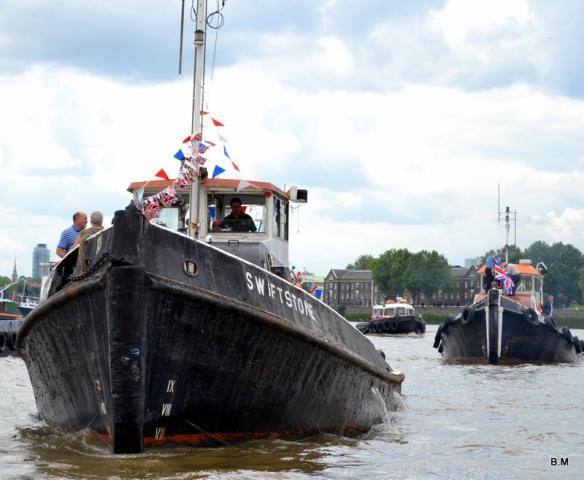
(392, 318)
(27, 302)
(179, 327)
(27, 305)
(506, 325)
(10, 322)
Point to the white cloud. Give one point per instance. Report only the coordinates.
(477, 29)
(412, 165)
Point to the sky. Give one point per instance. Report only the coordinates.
(400, 118)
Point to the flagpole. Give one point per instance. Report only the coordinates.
(196, 125)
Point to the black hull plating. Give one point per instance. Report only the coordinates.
(144, 354)
(405, 324)
(498, 331)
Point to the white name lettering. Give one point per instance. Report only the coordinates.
(264, 287)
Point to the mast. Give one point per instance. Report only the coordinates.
(196, 125)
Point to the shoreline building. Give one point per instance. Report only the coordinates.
(40, 255)
(351, 289)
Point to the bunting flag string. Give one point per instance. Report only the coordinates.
(232, 162)
(191, 157)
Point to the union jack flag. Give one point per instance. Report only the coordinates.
(500, 272)
(503, 278)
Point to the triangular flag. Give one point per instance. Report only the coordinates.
(243, 184)
(195, 136)
(204, 113)
(225, 152)
(179, 155)
(217, 171)
(222, 139)
(162, 174)
(217, 123)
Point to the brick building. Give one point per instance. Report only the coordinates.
(350, 289)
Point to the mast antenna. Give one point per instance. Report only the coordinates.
(510, 216)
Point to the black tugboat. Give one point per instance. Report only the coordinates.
(506, 327)
(393, 318)
(160, 335)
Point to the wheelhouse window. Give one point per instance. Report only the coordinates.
(389, 312)
(280, 218)
(235, 213)
(169, 217)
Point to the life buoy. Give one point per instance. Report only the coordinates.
(11, 340)
(2, 341)
(531, 316)
(467, 316)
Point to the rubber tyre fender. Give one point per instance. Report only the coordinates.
(394, 325)
(577, 344)
(531, 316)
(3, 342)
(467, 316)
(567, 334)
(446, 324)
(438, 337)
(386, 325)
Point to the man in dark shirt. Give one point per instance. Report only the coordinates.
(238, 221)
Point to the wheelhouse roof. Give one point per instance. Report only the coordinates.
(155, 186)
(522, 268)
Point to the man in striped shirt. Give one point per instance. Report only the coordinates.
(70, 234)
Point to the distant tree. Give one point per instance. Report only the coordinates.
(581, 281)
(436, 274)
(389, 272)
(515, 254)
(4, 281)
(564, 262)
(364, 262)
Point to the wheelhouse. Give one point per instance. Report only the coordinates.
(392, 310)
(264, 243)
(530, 285)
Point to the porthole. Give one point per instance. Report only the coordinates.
(190, 268)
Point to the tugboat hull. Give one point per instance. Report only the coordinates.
(144, 352)
(498, 331)
(405, 324)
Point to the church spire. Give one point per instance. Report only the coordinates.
(14, 272)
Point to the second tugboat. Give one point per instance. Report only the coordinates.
(158, 336)
(392, 318)
(506, 322)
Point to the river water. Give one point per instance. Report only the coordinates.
(456, 421)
